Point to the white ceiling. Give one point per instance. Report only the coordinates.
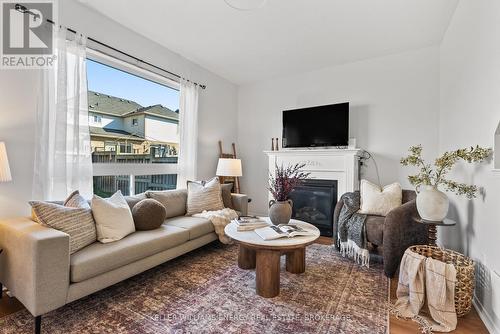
(285, 36)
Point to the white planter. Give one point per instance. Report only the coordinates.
(432, 204)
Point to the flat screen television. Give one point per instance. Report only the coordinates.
(316, 126)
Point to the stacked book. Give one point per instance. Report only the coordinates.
(249, 223)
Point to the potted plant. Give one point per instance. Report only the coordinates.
(432, 204)
(280, 185)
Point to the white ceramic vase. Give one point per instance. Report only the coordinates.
(432, 204)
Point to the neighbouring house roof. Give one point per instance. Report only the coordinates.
(111, 105)
(117, 106)
(156, 110)
(114, 133)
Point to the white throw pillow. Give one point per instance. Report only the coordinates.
(204, 196)
(377, 201)
(113, 218)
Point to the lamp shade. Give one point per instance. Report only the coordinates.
(229, 167)
(4, 164)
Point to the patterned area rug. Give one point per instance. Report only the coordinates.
(205, 292)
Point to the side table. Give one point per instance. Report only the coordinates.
(432, 227)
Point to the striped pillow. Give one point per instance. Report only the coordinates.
(74, 218)
(204, 195)
(75, 200)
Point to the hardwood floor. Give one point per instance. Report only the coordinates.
(9, 305)
(471, 323)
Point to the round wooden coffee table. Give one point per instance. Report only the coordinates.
(265, 256)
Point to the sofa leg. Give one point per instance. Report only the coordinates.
(38, 324)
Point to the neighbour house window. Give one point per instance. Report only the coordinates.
(126, 159)
(125, 148)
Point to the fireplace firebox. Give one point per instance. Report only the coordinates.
(314, 202)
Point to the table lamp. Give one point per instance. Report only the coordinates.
(230, 167)
(5, 175)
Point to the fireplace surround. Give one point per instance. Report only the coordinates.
(333, 172)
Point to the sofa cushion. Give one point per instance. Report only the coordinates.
(204, 196)
(375, 229)
(148, 214)
(113, 218)
(226, 195)
(173, 200)
(134, 199)
(99, 258)
(379, 201)
(75, 200)
(197, 227)
(73, 218)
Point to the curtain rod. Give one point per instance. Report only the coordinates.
(24, 10)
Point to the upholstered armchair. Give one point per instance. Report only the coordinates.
(393, 233)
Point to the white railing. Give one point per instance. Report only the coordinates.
(133, 170)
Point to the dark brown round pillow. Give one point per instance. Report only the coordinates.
(148, 214)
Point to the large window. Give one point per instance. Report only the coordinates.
(134, 119)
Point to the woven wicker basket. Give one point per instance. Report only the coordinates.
(464, 288)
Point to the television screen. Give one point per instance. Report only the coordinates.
(316, 126)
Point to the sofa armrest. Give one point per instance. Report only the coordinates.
(400, 232)
(34, 264)
(240, 203)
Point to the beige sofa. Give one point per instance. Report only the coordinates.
(38, 270)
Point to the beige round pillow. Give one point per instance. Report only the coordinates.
(148, 214)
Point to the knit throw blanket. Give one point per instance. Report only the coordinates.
(419, 278)
(219, 218)
(351, 230)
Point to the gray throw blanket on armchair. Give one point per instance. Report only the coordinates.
(351, 230)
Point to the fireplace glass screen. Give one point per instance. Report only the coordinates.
(314, 202)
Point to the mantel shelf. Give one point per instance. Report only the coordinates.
(317, 151)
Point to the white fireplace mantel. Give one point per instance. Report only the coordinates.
(326, 164)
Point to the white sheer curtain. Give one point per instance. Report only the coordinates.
(63, 161)
(188, 133)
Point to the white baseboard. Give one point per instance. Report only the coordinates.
(485, 317)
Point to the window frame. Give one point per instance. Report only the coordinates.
(132, 169)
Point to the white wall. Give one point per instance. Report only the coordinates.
(394, 103)
(111, 122)
(17, 128)
(161, 129)
(18, 88)
(139, 129)
(469, 115)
